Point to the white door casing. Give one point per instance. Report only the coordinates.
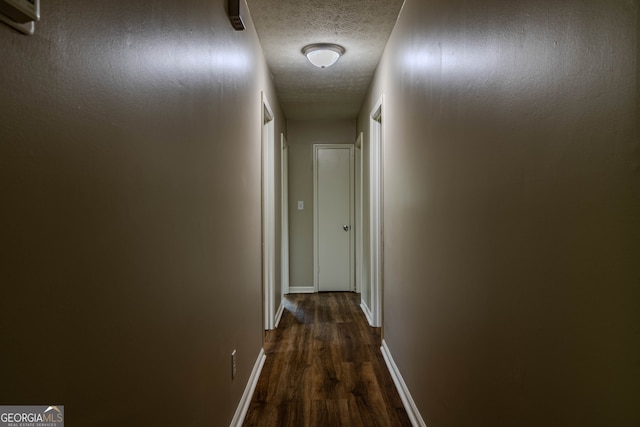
(333, 217)
(285, 213)
(268, 215)
(376, 212)
(358, 224)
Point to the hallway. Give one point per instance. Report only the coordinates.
(324, 368)
(504, 140)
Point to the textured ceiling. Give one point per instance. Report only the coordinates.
(362, 27)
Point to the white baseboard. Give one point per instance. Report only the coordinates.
(279, 314)
(367, 313)
(407, 400)
(301, 289)
(243, 406)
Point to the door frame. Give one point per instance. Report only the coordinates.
(284, 169)
(316, 254)
(376, 150)
(359, 212)
(268, 214)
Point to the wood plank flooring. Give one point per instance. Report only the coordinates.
(324, 368)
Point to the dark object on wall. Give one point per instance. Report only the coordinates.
(20, 14)
(234, 15)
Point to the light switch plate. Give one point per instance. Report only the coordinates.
(300, 205)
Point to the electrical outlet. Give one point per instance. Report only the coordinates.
(233, 364)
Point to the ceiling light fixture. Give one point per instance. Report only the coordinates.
(323, 55)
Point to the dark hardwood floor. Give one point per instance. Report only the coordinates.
(324, 368)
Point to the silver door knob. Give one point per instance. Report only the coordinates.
(346, 227)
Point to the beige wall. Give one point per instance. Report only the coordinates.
(512, 214)
(130, 262)
(301, 136)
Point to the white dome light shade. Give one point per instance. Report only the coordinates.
(323, 58)
(323, 55)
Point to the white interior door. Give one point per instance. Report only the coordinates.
(334, 217)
